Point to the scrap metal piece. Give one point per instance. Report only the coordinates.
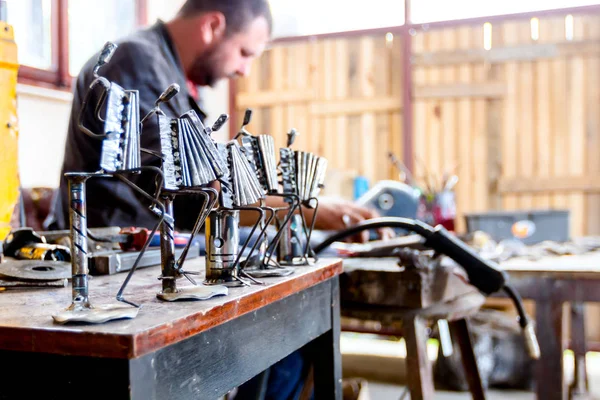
(222, 248)
(36, 270)
(96, 315)
(121, 144)
(195, 293)
(287, 167)
(17, 284)
(245, 185)
(266, 145)
(190, 156)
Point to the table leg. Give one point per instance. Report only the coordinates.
(461, 333)
(326, 354)
(418, 366)
(549, 371)
(579, 386)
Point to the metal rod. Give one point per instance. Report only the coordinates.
(78, 222)
(167, 249)
(154, 201)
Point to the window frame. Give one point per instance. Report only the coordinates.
(59, 77)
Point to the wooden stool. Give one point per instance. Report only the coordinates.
(414, 330)
(411, 299)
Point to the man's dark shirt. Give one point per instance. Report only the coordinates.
(145, 61)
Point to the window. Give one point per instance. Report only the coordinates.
(31, 20)
(92, 23)
(56, 37)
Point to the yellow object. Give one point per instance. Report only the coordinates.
(9, 133)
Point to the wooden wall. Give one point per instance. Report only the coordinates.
(519, 123)
(342, 95)
(521, 120)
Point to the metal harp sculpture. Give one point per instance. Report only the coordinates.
(118, 110)
(302, 178)
(191, 163)
(260, 152)
(240, 189)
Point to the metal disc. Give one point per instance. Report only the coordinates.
(36, 270)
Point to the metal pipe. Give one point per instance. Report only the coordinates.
(79, 245)
(167, 249)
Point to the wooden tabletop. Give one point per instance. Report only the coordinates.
(26, 315)
(584, 266)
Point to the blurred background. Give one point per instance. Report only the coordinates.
(504, 95)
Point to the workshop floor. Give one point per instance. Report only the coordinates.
(381, 363)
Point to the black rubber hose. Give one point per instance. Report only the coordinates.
(516, 298)
(377, 223)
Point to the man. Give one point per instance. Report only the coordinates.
(207, 41)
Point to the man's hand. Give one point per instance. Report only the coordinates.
(337, 215)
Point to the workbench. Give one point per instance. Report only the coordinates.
(182, 350)
(549, 282)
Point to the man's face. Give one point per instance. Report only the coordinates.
(231, 55)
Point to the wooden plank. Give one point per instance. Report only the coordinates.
(458, 90)
(565, 183)
(542, 119)
(396, 88)
(329, 138)
(515, 53)
(273, 97)
(301, 79)
(577, 135)
(420, 114)
(278, 116)
(593, 132)
(341, 92)
(353, 106)
(479, 132)
(432, 161)
(494, 106)
(559, 79)
(526, 150)
(464, 196)
(315, 132)
(449, 139)
(510, 133)
(290, 109)
(354, 120)
(367, 87)
(381, 78)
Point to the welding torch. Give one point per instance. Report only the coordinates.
(484, 274)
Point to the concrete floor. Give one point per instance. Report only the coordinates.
(387, 391)
(382, 363)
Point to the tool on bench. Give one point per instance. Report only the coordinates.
(483, 274)
(25, 244)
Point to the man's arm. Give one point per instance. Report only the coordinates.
(333, 215)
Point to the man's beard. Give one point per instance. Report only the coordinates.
(203, 71)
